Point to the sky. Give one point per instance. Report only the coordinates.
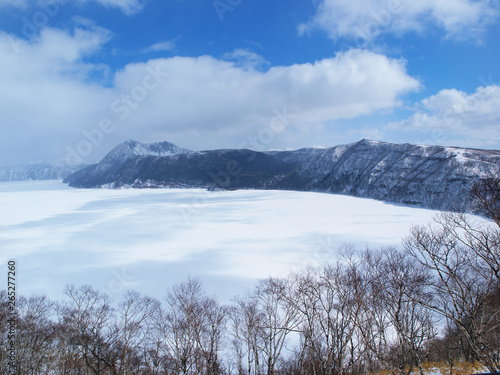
(78, 77)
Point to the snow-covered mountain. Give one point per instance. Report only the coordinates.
(38, 171)
(217, 169)
(133, 148)
(155, 149)
(60, 170)
(429, 176)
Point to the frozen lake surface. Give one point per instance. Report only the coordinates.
(147, 240)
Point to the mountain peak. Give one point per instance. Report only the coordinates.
(371, 142)
(155, 149)
(366, 140)
(131, 149)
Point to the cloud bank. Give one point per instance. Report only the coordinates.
(49, 97)
(470, 119)
(368, 19)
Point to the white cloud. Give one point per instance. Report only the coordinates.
(223, 103)
(126, 6)
(246, 59)
(50, 96)
(46, 96)
(367, 19)
(470, 119)
(166, 45)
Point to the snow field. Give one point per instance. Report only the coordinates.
(148, 240)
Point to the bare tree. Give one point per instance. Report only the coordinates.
(278, 319)
(210, 332)
(88, 318)
(329, 303)
(460, 285)
(246, 326)
(190, 329)
(36, 334)
(375, 324)
(175, 325)
(133, 326)
(397, 305)
(481, 240)
(4, 309)
(485, 195)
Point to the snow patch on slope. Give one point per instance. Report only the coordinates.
(459, 154)
(155, 149)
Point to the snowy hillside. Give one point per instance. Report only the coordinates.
(428, 176)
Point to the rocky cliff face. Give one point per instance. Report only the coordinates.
(428, 176)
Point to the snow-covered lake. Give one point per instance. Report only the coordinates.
(148, 240)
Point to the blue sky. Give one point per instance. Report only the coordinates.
(80, 76)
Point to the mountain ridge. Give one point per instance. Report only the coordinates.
(38, 171)
(427, 176)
